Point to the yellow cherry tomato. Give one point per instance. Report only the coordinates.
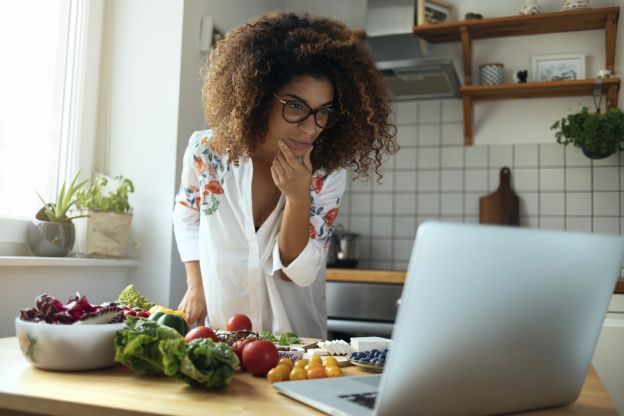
(297, 373)
(316, 372)
(284, 369)
(276, 374)
(315, 359)
(301, 363)
(333, 371)
(310, 366)
(329, 361)
(287, 362)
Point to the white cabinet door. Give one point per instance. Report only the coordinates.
(609, 355)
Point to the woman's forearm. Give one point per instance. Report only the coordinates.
(193, 274)
(294, 233)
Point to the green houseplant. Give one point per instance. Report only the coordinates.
(103, 231)
(52, 232)
(598, 135)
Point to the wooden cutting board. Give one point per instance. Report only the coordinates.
(502, 206)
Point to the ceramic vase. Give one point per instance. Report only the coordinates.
(530, 7)
(50, 239)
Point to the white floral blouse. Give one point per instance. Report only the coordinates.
(213, 223)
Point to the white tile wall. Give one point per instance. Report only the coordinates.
(434, 176)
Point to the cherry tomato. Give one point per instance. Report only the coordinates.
(333, 371)
(277, 374)
(283, 368)
(310, 366)
(287, 362)
(259, 357)
(238, 346)
(316, 372)
(329, 361)
(315, 359)
(297, 373)
(201, 332)
(301, 363)
(239, 322)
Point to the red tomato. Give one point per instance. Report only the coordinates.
(238, 346)
(259, 357)
(239, 322)
(201, 332)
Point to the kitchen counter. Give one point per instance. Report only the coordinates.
(394, 277)
(365, 276)
(117, 390)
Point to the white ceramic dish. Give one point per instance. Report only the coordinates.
(67, 347)
(294, 354)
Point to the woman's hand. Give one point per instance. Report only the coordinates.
(292, 176)
(193, 303)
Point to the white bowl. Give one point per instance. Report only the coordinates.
(67, 347)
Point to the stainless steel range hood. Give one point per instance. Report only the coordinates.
(413, 68)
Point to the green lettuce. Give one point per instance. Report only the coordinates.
(207, 364)
(137, 345)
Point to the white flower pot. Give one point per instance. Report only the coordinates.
(102, 234)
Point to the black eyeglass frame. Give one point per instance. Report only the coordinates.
(332, 120)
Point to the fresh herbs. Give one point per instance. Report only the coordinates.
(93, 198)
(288, 338)
(597, 134)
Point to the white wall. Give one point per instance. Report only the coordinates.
(529, 120)
(139, 125)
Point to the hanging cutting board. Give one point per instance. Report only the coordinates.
(502, 206)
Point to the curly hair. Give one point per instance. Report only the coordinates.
(254, 60)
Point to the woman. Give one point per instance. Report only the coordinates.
(291, 101)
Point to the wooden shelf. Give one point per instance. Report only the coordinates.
(575, 20)
(468, 30)
(539, 89)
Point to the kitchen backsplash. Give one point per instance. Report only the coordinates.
(434, 176)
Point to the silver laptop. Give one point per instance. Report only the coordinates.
(493, 320)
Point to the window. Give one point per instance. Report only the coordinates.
(44, 92)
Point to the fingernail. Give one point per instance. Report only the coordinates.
(281, 143)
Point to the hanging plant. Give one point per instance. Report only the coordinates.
(598, 135)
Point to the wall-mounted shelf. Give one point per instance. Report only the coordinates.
(466, 31)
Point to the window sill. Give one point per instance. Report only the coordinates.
(33, 261)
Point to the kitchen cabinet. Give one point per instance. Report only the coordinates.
(608, 354)
(468, 30)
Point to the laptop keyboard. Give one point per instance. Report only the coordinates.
(363, 399)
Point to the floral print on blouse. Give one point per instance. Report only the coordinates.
(212, 170)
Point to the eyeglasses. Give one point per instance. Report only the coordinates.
(295, 111)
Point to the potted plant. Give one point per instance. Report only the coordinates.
(105, 224)
(599, 135)
(52, 232)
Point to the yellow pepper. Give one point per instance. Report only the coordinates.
(158, 308)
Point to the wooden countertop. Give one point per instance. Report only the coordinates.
(393, 277)
(365, 276)
(117, 390)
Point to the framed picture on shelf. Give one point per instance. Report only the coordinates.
(558, 67)
(432, 11)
